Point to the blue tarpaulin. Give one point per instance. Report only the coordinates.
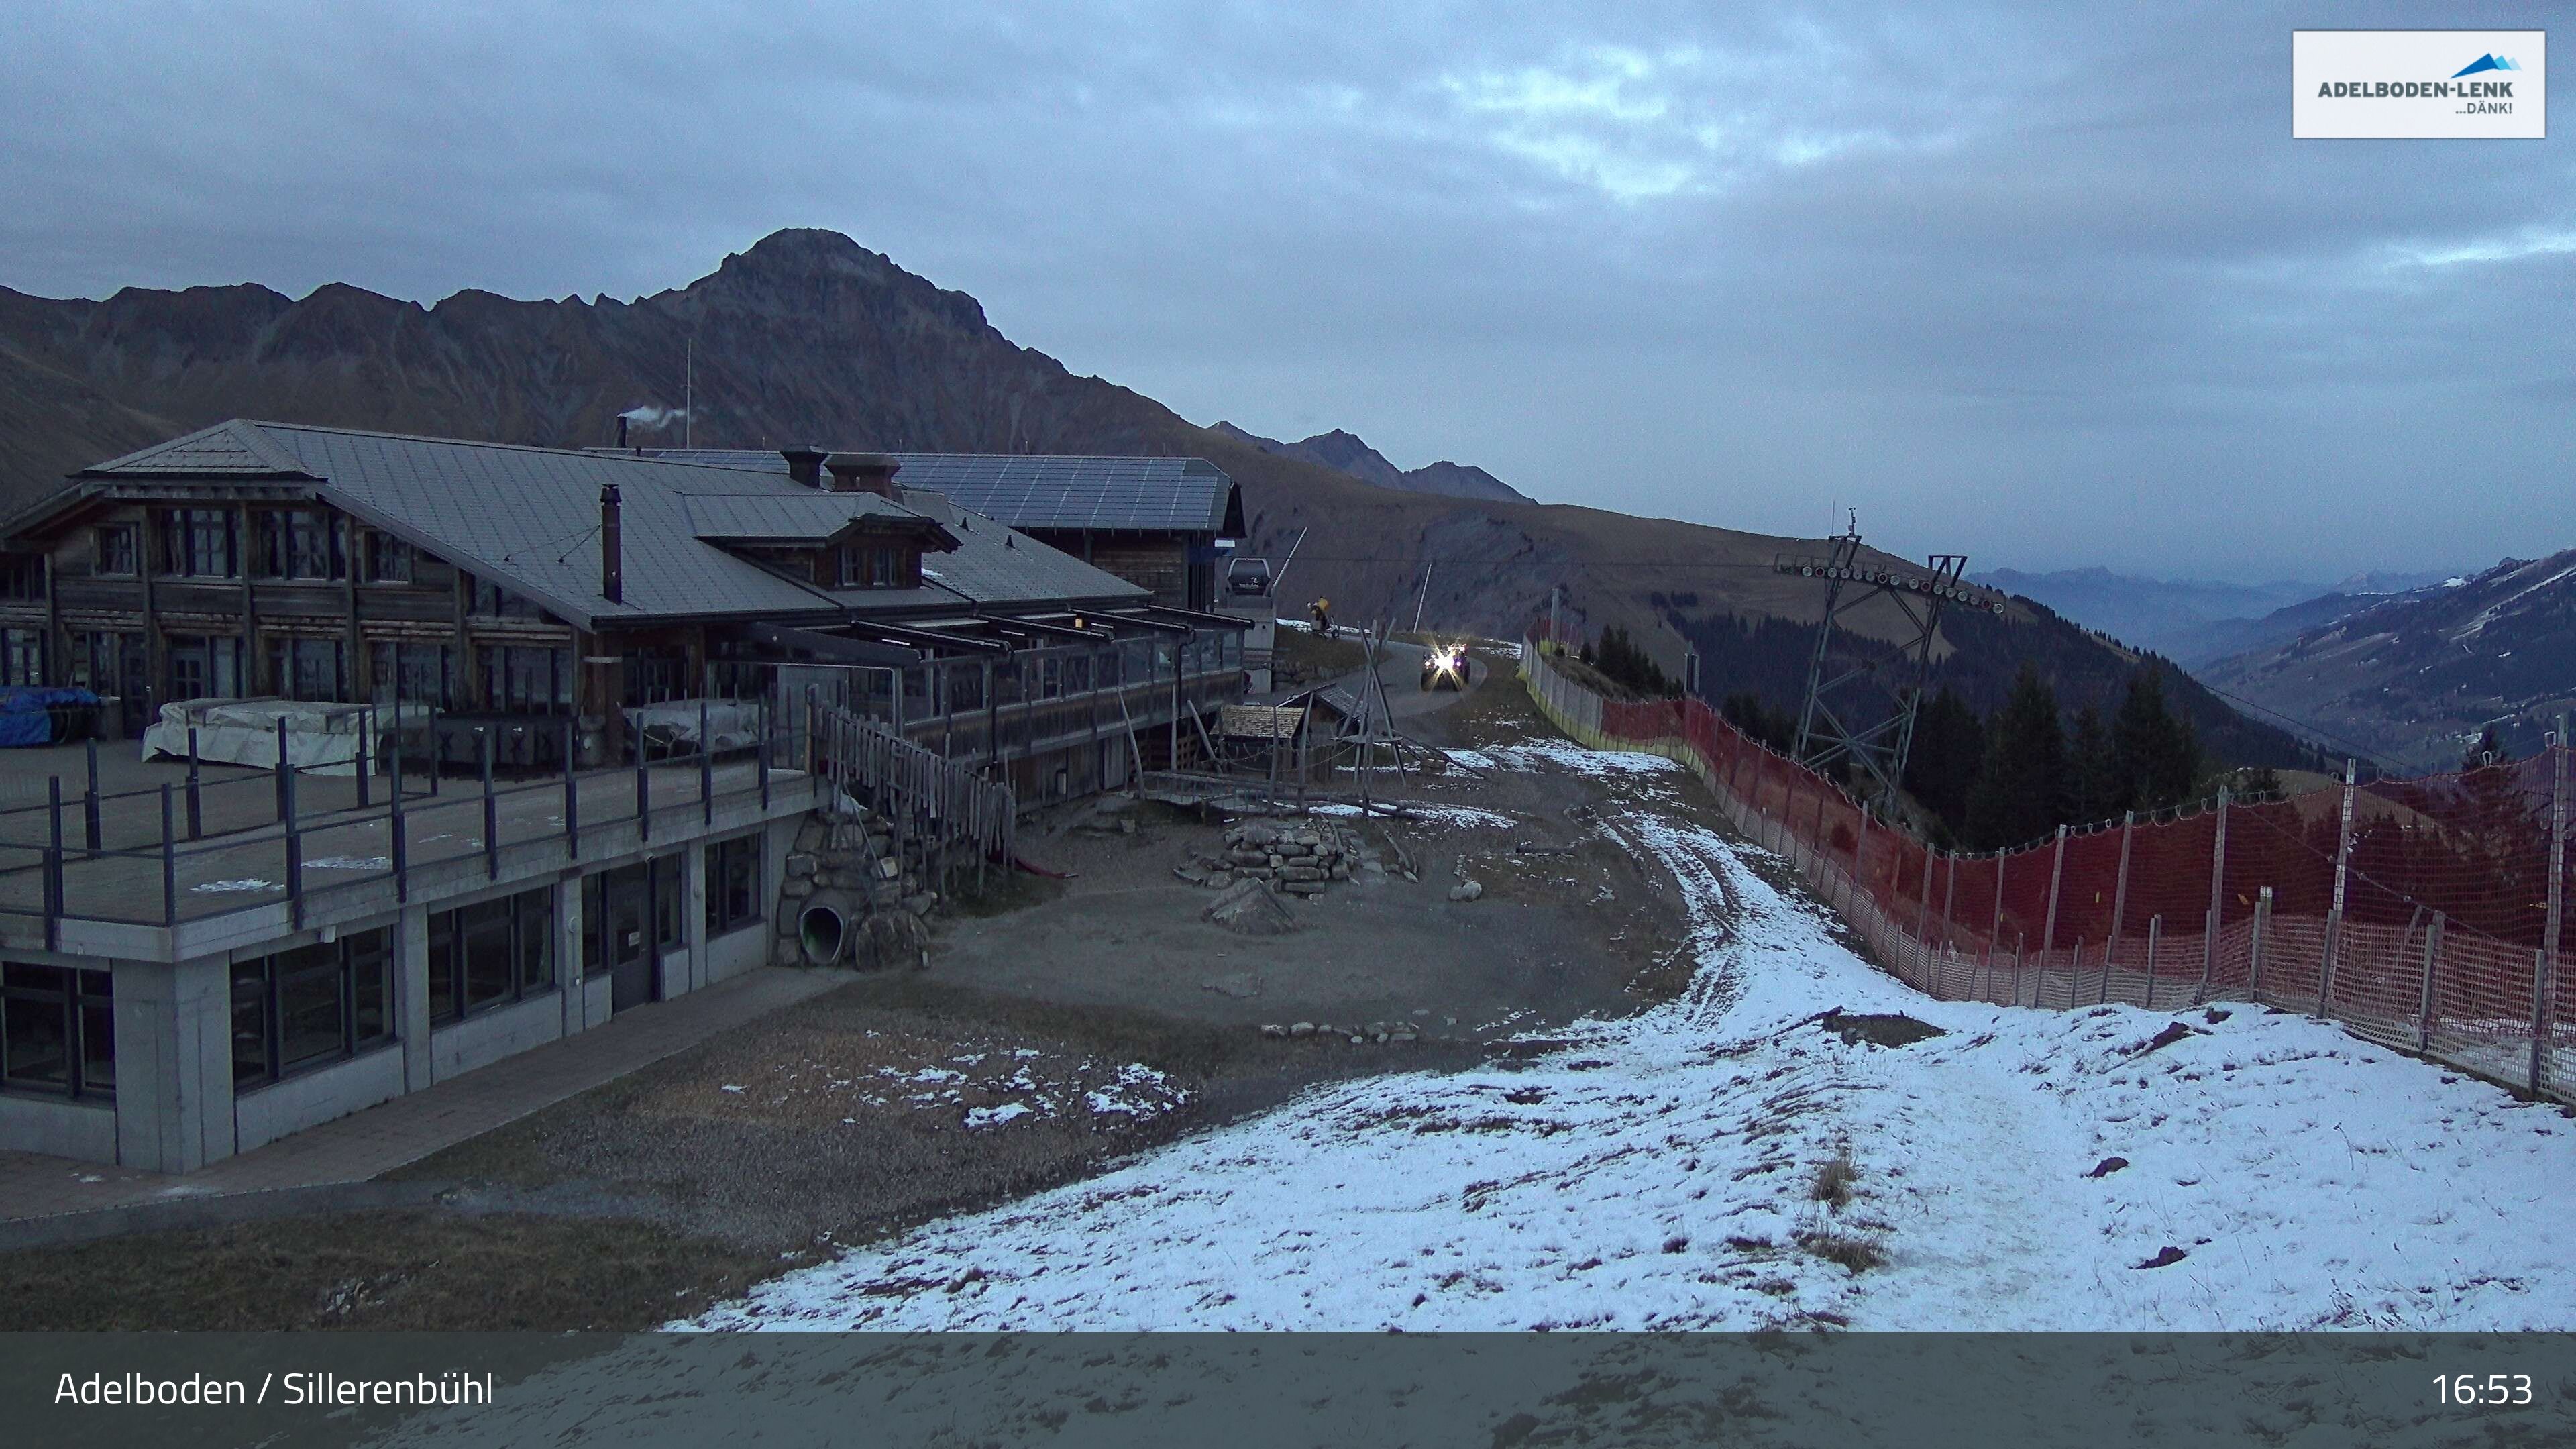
(26, 713)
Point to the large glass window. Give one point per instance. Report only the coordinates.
(313, 1005)
(301, 543)
(388, 559)
(22, 656)
(205, 667)
(491, 953)
(201, 542)
(491, 599)
(57, 1031)
(518, 679)
(309, 669)
(116, 551)
(416, 673)
(733, 884)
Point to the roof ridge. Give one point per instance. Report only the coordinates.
(618, 454)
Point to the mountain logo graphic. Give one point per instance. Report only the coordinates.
(2485, 62)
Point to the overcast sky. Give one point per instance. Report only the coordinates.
(2049, 284)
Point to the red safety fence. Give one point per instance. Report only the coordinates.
(2425, 913)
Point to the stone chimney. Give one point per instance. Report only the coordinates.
(612, 562)
(863, 473)
(804, 463)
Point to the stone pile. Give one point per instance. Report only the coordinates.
(1296, 859)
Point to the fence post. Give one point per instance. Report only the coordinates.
(89, 797)
(643, 794)
(1923, 914)
(294, 842)
(54, 863)
(2262, 932)
(2048, 932)
(491, 810)
(764, 754)
(169, 862)
(2539, 1008)
(283, 768)
(572, 798)
(1949, 894)
(2120, 904)
(707, 752)
(2074, 975)
(2424, 1011)
(2334, 914)
(400, 828)
(2155, 937)
(366, 754)
(1995, 932)
(2021, 948)
(196, 802)
(2557, 890)
(2217, 901)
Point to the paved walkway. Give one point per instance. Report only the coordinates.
(368, 1144)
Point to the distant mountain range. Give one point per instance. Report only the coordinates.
(2193, 622)
(1346, 453)
(2414, 678)
(808, 337)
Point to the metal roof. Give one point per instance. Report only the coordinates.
(529, 518)
(803, 516)
(997, 567)
(1163, 495)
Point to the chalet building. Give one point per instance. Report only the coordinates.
(1154, 522)
(558, 629)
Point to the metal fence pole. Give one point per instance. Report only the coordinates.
(491, 810)
(707, 756)
(572, 798)
(399, 826)
(2217, 901)
(169, 861)
(54, 863)
(196, 802)
(366, 754)
(764, 753)
(643, 794)
(2334, 914)
(89, 800)
(294, 841)
(284, 768)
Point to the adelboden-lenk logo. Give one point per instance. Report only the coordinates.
(2405, 84)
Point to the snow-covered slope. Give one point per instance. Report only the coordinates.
(1663, 1170)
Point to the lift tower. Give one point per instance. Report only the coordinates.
(1862, 692)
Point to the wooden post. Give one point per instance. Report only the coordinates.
(2217, 901)
(1995, 932)
(2262, 930)
(2334, 916)
(2074, 974)
(2424, 1009)
(2021, 948)
(2539, 1010)
(2557, 888)
(1922, 916)
(2155, 938)
(2056, 877)
(2119, 899)
(1949, 896)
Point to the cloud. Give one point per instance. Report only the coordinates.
(1997, 272)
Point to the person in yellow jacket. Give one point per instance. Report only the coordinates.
(1323, 609)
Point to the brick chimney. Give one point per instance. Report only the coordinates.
(862, 473)
(612, 562)
(804, 463)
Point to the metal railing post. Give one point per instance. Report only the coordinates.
(572, 798)
(89, 801)
(54, 864)
(398, 826)
(643, 794)
(169, 861)
(196, 801)
(284, 768)
(366, 754)
(294, 842)
(491, 809)
(763, 766)
(707, 760)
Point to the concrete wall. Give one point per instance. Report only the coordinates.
(84, 1131)
(501, 1032)
(263, 1116)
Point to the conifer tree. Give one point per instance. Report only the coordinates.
(2020, 794)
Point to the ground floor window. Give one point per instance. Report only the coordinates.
(518, 679)
(205, 666)
(422, 674)
(57, 1031)
(313, 670)
(733, 884)
(22, 656)
(310, 1006)
(490, 954)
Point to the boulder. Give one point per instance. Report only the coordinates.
(1466, 891)
(885, 939)
(801, 863)
(1247, 908)
(1303, 1028)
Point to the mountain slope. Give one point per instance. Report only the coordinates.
(2416, 677)
(1347, 453)
(808, 337)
